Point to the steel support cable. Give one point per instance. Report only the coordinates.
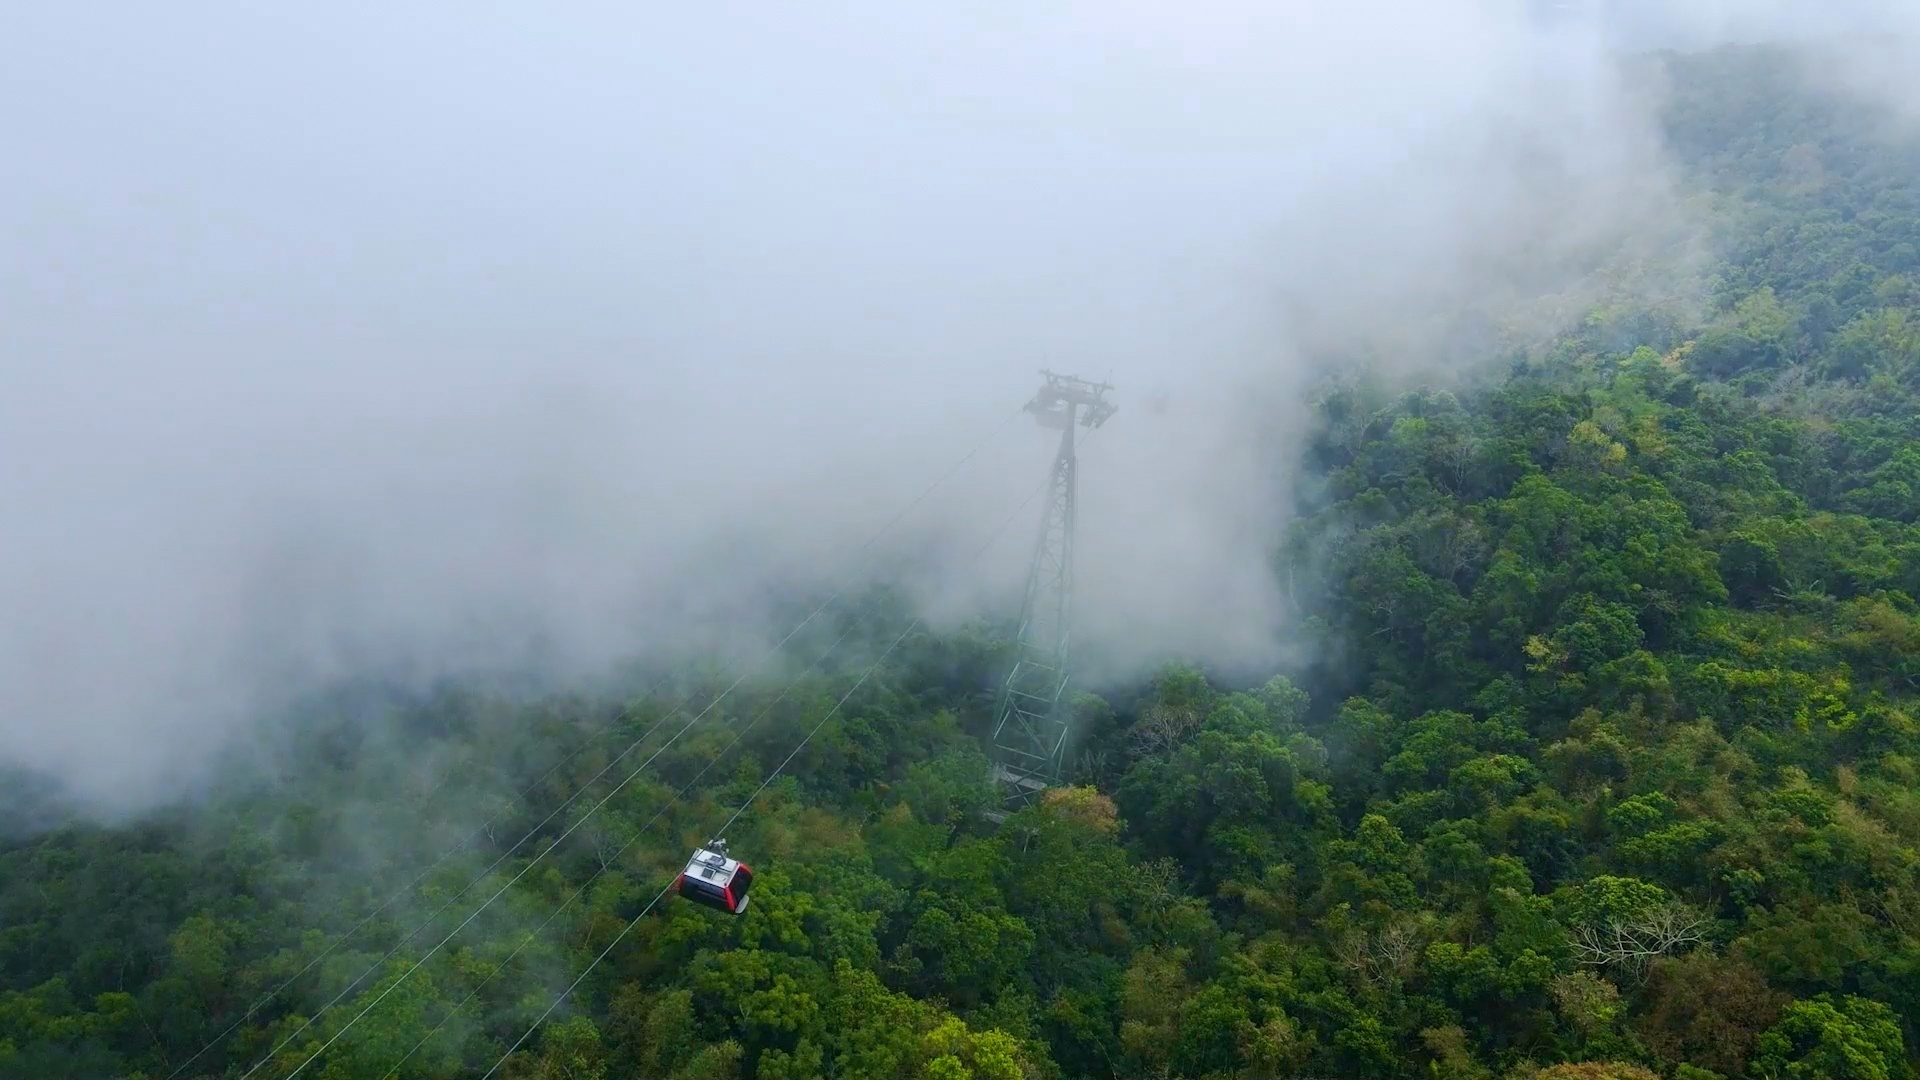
(837, 593)
(625, 714)
(531, 863)
(911, 627)
(621, 936)
(482, 876)
(764, 784)
(635, 838)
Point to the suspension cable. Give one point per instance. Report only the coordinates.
(635, 838)
(482, 876)
(483, 830)
(621, 936)
(415, 966)
(808, 737)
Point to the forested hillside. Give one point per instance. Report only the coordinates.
(1608, 766)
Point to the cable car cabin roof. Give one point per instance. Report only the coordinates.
(713, 879)
(711, 866)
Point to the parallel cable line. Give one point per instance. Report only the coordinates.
(635, 921)
(483, 830)
(638, 833)
(771, 776)
(837, 593)
(482, 876)
(554, 843)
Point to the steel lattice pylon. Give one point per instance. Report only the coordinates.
(1031, 722)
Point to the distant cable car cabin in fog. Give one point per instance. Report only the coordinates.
(715, 880)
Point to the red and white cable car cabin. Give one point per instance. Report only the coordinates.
(715, 880)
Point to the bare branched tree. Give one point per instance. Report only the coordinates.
(1384, 955)
(1350, 950)
(1466, 547)
(1162, 726)
(1397, 948)
(607, 846)
(1158, 884)
(1386, 607)
(1460, 454)
(1630, 945)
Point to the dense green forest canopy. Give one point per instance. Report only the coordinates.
(1609, 767)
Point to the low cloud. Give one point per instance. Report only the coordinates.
(440, 340)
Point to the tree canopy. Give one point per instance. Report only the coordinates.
(1608, 766)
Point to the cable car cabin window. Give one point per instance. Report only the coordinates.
(716, 881)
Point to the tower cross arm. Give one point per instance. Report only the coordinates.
(1064, 396)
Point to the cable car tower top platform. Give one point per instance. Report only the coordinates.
(1059, 400)
(1031, 721)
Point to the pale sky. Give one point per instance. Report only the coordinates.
(357, 333)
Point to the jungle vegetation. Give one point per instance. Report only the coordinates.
(1609, 768)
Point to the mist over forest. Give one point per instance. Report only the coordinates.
(375, 342)
(458, 461)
